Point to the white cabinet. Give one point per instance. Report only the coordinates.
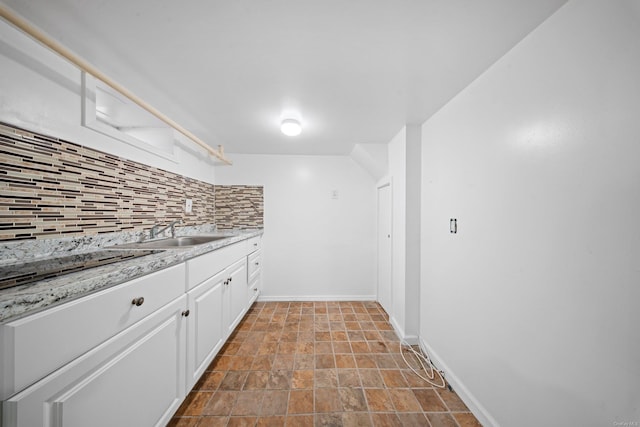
(235, 294)
(135, 378)
(254, 268)
(254, 243)
(216, 304)
(254, 275)
(39, 344)
(204, 266)
(205, 332)
(127, 355)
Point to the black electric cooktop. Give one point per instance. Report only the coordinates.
(30, 272)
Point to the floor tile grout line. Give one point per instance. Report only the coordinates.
(250, 330)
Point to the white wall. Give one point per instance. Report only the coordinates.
(41, 92)
(397, 172)
(374, 158)
(316, 247)
(533, 307)
(404, 172)
(412, 231)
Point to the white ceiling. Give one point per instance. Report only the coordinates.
(355, 71)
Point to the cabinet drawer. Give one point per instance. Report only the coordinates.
(39, 344)
(254, 286)
(254, 243)
(135, 378)
(201, 268)
(255, 263)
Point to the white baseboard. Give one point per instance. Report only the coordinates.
(282, 298)
(472, 403)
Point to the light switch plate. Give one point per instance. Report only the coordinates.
(188, 205)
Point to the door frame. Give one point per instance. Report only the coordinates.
(385, 182)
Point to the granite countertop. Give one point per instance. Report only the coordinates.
(23, 300)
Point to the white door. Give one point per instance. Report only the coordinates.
(384, 247)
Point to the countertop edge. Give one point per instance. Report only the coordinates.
(25, 300)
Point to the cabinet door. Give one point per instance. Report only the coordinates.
(134, 379)
(205, 331)
(237, 292)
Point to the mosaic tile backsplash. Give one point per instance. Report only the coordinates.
(54, 188)
(239, 206)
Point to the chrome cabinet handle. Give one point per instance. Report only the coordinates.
(137, 301)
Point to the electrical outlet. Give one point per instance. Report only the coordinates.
(188, 205)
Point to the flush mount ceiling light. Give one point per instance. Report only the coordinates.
(291, 127)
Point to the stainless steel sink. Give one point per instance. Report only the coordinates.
(176, 242)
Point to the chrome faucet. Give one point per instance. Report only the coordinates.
(156, 230)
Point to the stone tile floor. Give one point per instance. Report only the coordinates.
(316, 364)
